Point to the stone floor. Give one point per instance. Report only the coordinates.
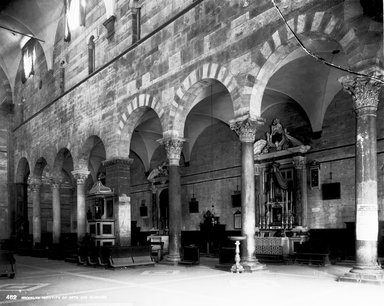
(41, 281)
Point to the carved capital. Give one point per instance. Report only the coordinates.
(55, 180)
(173, 147)
(35, 183)
(246, 128)
(299, 162)
(80, 176)
(364, 91)
(117, 161)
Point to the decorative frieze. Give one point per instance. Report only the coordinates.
(246, 128)
(173, 147)
(364, 90)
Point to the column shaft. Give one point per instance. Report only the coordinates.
(175, 217)
(248, 201)
(36, 214)
(81, 176)
(366, 189)
(56, 209)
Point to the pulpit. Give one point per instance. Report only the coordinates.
(100, 217)
(212, 233)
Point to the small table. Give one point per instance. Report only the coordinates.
(237, 267)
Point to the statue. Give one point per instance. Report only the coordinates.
(159, 171)
(277, 139)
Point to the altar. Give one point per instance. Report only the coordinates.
(281, 180)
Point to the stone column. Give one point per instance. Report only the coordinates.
(365, 92)
(35, 186)
(56, 209)
(301, 190)
(81, 177)
(118, 178)
(246, 129)
(173, 147)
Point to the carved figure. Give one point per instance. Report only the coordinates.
(278, 139)
(160, 171)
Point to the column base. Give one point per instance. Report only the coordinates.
(174, 258)
(253, 266)
(370, 275)
(237, 268)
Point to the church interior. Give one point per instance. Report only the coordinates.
(172, 131)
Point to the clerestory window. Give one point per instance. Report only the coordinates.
(74, 16)
(29, 58)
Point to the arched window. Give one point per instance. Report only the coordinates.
(74, 16)
(91, 54)
(136, 24)
(29, 57)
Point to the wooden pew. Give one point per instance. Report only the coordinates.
(130, 256)
(319, 259)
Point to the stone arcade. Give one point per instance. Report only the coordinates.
(191, 123)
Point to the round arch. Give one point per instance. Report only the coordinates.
(195, 86)
(130, 118)
(282, 47)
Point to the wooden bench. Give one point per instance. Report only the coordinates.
(130, 256)
(318, 259)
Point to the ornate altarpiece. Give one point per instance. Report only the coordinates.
(280, 167)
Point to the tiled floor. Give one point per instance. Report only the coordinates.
(41, 281)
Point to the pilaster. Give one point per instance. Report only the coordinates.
(300, 164)
(118, 178)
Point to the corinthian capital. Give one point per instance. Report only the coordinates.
(246, 128)
(173, 147)
(80, 176)
(299, 162)
(364, 90)
(35, 183)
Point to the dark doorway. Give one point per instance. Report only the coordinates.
(22, 224)
(164, 210)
